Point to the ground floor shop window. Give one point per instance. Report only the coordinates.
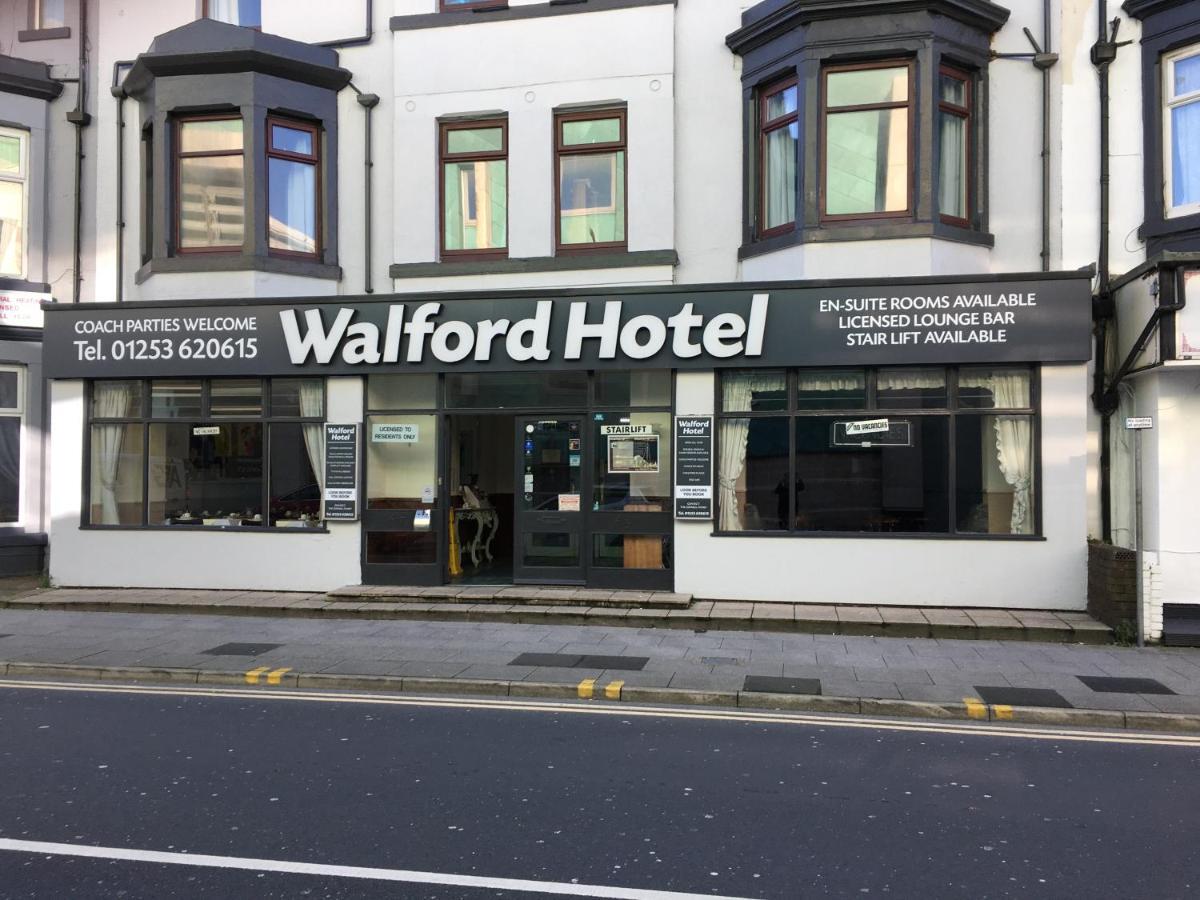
(899, 450)
(232, 453)
(12, 420)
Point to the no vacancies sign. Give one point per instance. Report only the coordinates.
(1007, 319)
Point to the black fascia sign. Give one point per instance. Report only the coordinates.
(693, 467)
(340, 490)
(1027, 319)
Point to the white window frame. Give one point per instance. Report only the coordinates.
(21, 178)
(1171, 102)
(17, 412)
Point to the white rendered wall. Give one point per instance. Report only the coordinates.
(227, 560)
(1046, 574)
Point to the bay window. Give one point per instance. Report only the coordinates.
(14, 201)
(954, 146)
(779, 138)
(474, 186)
(590, 180)
(903, 451)
(1181, 131)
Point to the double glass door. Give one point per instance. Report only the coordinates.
(550, 490)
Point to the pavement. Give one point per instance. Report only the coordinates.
(989, 680)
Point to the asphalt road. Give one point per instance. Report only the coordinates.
(578, 803)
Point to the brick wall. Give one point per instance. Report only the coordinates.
(1112, 584)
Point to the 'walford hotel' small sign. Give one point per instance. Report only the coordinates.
(1034, 318)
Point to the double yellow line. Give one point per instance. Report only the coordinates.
(274, 676)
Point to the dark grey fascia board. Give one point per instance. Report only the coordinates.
(1142, 9)
(510, 13)
(20, 284)
(769, 23)
(44, 34)
(881, 230)
(20, 333)
(27, 78)
(1166, 260)
(565, 263)
(237, 262)
(219, 62)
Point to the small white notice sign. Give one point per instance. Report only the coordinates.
(395, 433)
(868, 426)
(1136, 422)
(202, 430)
(626, 429)
(568, 503)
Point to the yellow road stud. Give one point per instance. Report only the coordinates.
(1002, 712)
(586, 688)
(976, 708)
(612, 690)
(277, 674)
(252, 675)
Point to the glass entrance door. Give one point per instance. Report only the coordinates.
(550, 487)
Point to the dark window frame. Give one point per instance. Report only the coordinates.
(967, 114)
(178, 154)
(145, 419)
(1168, 102)
(952, 412)
(561, 150)
(314, 159)
(823, 112)
(445, 156)
(765, 127)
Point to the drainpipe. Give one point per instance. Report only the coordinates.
(368, 102)
(364, 38)
(119, 93)
(80, 118)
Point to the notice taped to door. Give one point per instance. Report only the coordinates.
(693, 467)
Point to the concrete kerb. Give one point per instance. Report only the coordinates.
(867, 706)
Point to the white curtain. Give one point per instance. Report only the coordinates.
(1185, 154)
(1014, 444)
(225, 11)
(780, 199)
(830, 381)
(311, 404)
(911, 379)
(737, 392)
(951, 178)
(110, 401)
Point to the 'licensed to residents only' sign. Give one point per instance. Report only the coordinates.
(341, 472)
(693, 467)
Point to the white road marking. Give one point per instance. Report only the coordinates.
(631, 710)
(199, 860)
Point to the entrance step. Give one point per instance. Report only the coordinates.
(517, 595)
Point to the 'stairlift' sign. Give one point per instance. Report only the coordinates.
(341, 472)
(693, 467)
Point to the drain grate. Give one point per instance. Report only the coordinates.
(773, 684)
(1018, 696)
(236, 649)
(1107, 684)
(581, 661)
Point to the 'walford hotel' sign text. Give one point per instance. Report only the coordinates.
(1043, 318)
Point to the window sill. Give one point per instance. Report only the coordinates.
(44, 34)
(879, 230)
(227, 529)
(1180, 234)
(504, 13)
(237, 262)
(564, 263)
(879, 535)
(20, 284)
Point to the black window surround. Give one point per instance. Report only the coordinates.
(1167, 26)
(208, 67)
(781, 39)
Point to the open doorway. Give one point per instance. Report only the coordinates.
(481, 469)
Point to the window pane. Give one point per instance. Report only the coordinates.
(866, 86)
(401, 462)
(475, 215)
(211, 201)
(210, 135)
(952, 177)
(117, 466)
(1186, 74)
(993, 388)
(866, 162)
(831, 390)
(994, 468)
(640, 388)
(297, 456)
(116, 399)
(303, 397)
(292, 140)
(631, 551)
(781, 103)
(552, 463)
(12, 229)
(753, 474)
(475, 140)
(236, 397)
(952, 90)
(10, 468)
(401, 391)
(10, 155)
(292, 187)
(236, 12)
(1185, 154)
(51, 14)
(10, 397)
(592, 198)
(912, 389)
(501, 390)
(895, 486)
(591, 131)
(632, 471)
(554, 550)
(203, 474)
(175, 399)
(759, 390)
(401, 547)
(779, 176)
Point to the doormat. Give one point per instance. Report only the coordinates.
(1106, 684)
(581, 661)
(773, 684)
(1018, 696)
(236, 649)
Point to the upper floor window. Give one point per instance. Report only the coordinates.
(211, 184)
(867, 126)
(590, 152)
(48, 14)
(779, 137)
(955, 127)
(474, 170)
(235, 12)
(14, 201)
(293, 157)
(1181, 131)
